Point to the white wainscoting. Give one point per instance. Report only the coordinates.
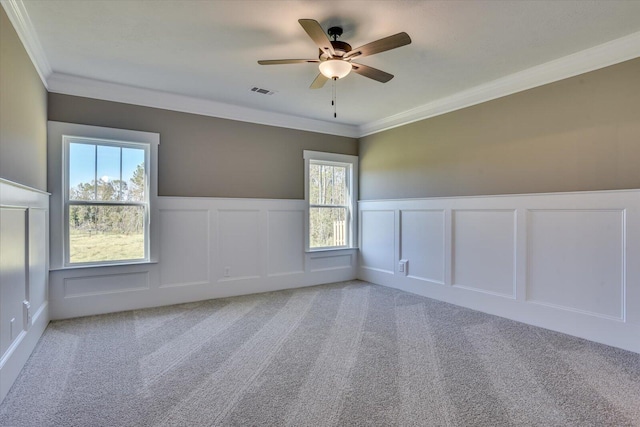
(563, 261)
(24, 244)
(209, 248)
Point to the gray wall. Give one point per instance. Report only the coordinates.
(202, 156)
(23, 113)
(581, 133)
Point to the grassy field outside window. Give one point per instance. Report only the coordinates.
(95, 246)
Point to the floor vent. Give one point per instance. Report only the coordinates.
(262, 91)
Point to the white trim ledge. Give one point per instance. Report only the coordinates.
(22, 186)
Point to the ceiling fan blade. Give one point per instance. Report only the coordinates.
(372, 73)
(319, 81)
(286, 61)
(317, 34)
(387, 43)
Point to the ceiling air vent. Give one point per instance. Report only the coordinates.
(262, 91)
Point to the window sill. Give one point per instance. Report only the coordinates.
(120, 264)
(320, 250)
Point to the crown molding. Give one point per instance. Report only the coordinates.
(604, 55)
(89, 88)
(26, 32)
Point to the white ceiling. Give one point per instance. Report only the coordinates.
(208, 49)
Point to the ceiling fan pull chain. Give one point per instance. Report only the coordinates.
(333, 99)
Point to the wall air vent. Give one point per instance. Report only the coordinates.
(262, 91)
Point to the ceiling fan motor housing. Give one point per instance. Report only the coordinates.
(340, 48)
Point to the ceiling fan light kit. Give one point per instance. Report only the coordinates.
(335, 68)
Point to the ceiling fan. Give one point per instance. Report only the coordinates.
(335, 58)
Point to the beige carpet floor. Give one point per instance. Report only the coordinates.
(346, 354)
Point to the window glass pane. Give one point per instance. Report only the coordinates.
(82, 169)
(327, 227)
(314, 184)
(339, 185)
(108, 173)
(106, 233)
(327, 184)
(133, 174)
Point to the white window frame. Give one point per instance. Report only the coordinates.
(333, 159)
(68, 202)
(60, 136)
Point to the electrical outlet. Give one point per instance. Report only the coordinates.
(227, 272)
(403, 266)
(26, 313)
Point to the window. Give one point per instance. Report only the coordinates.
(331, 193)
(106, 201)
(106, 193)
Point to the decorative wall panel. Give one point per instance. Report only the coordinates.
(576, 260)
(209, 248)
(24, 271)
(377, 240)
(184, 247)
(422, 234)
(562, 261)
(484, 251)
